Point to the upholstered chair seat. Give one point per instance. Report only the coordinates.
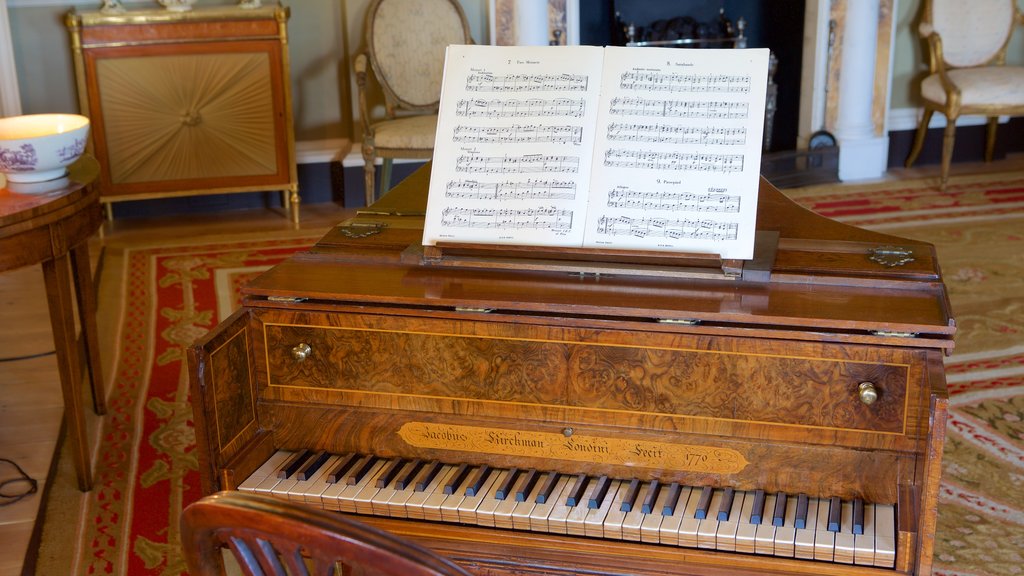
(408, 132)
(995, 86)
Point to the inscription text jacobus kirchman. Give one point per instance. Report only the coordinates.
(578, 447)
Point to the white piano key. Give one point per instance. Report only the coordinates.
(745, 531)
(690, 524)
(844, 538)
(764, 538)
(650, 529)
(450, 506)
(468, 508)
(523, 510)
(824, 541)
(414, 505)
(594, 523)
(503, 511)
(575, 521)
(668, 531)
(785, 535)
(359, 501)
(725, 538)
(803, 541)
(485, 511)
(635, 517)
(560, 511)
(613, 520)
(268, 468)
(708, 528)
(864, 544)
(885, 535)
(541, 512)
(431, 505)
(386, 502)
(308, 491)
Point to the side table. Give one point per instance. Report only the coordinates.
(49, 223)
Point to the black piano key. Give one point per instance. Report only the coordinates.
(672, 500)
(835, 510)
(779, 516)
(343, 467)
(292, 464)
(361, 469)
(312, 465)
(801, 511)
(630, 496)
(726, 507)
(757, 509)
(427, 475)
(578, 488)
(481, 476)
(858, 517)
(526, 485)
(653, 488)
(704, 503)
(390, 472)
(506, 487)
(600, 492)
(411, 471)
(547, 488)
(456, 479)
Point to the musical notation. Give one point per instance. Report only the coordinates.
(706, 110)
(666, 228)
(518, 134)
(552, 219)
(722, 163)
(528, 164)
(676, 202)
(485, 82)
(532, 107)
(675, 82)
(530, 189)
(668, 134)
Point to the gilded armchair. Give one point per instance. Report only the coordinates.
(405, 43)
(967, 43)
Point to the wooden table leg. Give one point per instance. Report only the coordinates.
(57, 276)
(87, 319)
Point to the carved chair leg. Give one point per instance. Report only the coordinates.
(385, 176)
(948, 136)
(990, 137)
(922, 129)
(368, 173)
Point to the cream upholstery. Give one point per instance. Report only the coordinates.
(405, 42)
(967, 43)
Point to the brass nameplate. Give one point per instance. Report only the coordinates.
(578, 447)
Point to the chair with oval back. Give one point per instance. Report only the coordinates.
(967, 44)
(271, 536)
(404, 48)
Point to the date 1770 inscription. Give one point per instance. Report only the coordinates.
(649, 454)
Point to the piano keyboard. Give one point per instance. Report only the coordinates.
(754, 522)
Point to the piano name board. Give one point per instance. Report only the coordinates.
(578, 447)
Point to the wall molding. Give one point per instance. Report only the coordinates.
(900, 119)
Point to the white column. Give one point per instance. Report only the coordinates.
(532, 23)
(10, 99)
(862, 153)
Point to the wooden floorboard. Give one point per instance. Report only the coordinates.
(30, 399)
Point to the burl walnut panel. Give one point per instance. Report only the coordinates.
(602, 370)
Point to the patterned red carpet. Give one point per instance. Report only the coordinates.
(146, 468)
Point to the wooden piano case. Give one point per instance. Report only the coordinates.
(711, 380)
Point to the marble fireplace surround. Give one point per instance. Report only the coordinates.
(851, 105)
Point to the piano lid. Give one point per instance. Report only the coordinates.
(826, 278)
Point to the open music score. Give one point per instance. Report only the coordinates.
(626, 148)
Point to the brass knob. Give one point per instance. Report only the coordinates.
(301, 351)
(867, 393)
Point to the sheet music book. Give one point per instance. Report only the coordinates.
(583, 146)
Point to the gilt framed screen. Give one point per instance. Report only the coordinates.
(187, 102)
